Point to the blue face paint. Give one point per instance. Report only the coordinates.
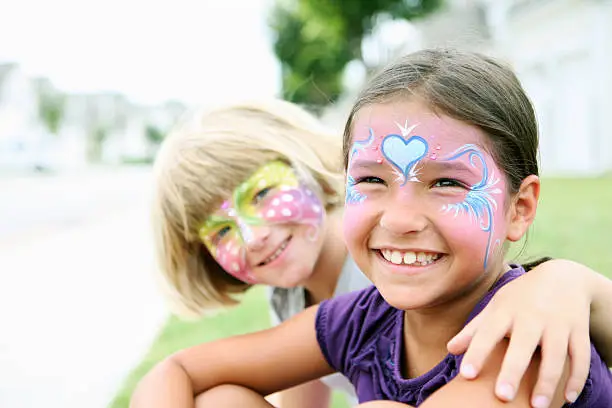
(404, 155)
(479, 203)
(353, 196)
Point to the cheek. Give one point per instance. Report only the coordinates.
(231, 256)
(480, 235)
(464, 231)
(356, 224)
(298, 204)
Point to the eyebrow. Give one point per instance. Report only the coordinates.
(365, 163)
(452, 165)
(213, 221)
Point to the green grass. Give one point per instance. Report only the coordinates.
(574, 221)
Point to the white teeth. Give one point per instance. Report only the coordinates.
(276, 253)
(396, 257)
(386, 254)
(409, 257)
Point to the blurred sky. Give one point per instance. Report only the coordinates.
(195, 51)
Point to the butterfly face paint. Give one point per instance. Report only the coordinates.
(272, 195)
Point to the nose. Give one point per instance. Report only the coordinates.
(403, 215)
(255, 237)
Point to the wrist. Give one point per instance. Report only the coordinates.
(578, 276)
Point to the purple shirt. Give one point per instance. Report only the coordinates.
(360, 335)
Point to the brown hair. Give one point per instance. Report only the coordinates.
(200, 164)
(469, 87)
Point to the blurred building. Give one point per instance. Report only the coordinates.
(23, 139)
(561, 51)
(42, 128)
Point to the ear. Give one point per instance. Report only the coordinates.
(523, 208)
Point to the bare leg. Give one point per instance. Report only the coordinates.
(229, 396)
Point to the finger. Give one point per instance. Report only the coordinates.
(524, 340)
(489, 333)
(554, 347)
(580, 362)
(459, 344)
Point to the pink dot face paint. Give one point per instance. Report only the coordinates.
(273, 195)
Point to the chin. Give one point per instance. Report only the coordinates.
(406, 297)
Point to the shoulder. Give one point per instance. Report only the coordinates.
(347, 323)
(479, 391)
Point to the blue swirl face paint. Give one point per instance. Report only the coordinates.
(353, 196)
(479, 203)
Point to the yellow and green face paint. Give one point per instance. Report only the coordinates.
(272, 195)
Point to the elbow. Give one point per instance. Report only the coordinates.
(167, 378)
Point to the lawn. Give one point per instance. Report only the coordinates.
(574, 221)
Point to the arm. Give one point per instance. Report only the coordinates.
(265, 362)
(480, 394)
(314, 394)
(549, 306)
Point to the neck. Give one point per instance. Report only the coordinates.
(428, 330)
(322, 283)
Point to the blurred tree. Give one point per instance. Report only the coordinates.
(315, 39)
(154, 135)
(98, 135)
(51, 109)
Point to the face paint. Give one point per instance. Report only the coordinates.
(427, 234)
(407, 152)
(353, 196)
(403, 154)
(479, 204)
(272, 195)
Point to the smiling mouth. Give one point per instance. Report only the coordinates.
(409, 257)
(276, 253)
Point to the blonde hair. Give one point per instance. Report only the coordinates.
(202, 161)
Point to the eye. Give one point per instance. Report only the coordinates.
(221, 233)
(448, 182)
(261, 194)
(369, 180)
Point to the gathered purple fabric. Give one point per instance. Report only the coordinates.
(361, 336)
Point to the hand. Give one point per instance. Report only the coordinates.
(547, 307)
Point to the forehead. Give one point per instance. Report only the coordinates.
(413, 117)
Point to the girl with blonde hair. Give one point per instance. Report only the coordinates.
(253, 193)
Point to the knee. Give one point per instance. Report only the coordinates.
(230, 396)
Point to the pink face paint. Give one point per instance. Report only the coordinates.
(408, 153)
(479, 204)
(272, 195)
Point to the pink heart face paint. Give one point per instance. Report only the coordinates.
(272, 195)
